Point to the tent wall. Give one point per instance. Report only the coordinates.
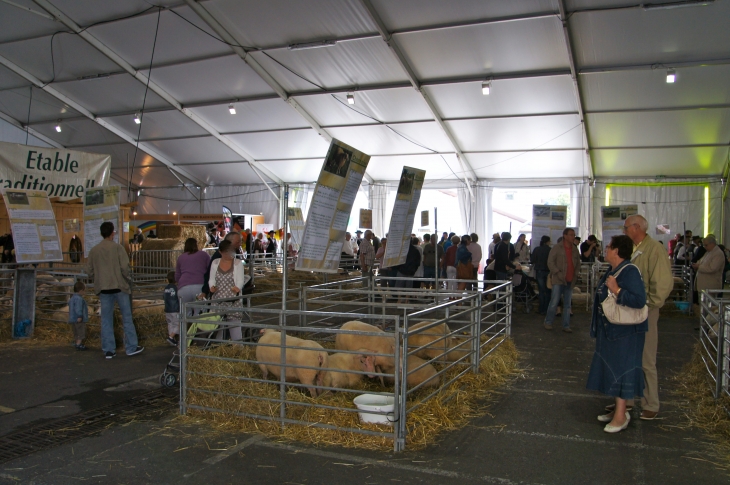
(679, 203)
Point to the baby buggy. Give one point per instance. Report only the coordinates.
(522, 290)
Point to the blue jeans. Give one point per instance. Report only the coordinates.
(541, 277)
(108, 343)
(503, 276)
(429, 273)
(566, 291)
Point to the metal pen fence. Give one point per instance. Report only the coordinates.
(715, 338)
(435, 341)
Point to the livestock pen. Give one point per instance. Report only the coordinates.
(440, 350)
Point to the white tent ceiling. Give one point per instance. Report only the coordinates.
(89, 62)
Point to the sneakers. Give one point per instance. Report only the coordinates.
(547, 327)
(567, 330)
(110, 355)
(171, 341)
(81, 347)
(136, 351)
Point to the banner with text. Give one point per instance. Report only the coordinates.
(61, 173)
(366, 219)
(33, 222)
(613, 218)
(404, 213)
(101, 204)
(329, 211)
(296, 226)
(547, 220)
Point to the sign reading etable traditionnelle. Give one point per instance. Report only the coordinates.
(329, 212)
(404, 212)
(101, 204)
(59, 172)
(35, 233)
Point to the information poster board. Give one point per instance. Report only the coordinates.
(337, 185)
(548, 220)
(296, 225)
(33, 222)
(424, 218)
(227, 219)
(613, 218)
(366, 219)
(101, 204)
(71, 226)
(404, 213)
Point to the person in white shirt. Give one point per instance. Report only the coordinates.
(347, 248)
(476, 255)
(495, 240)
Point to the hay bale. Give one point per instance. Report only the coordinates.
(181, 232)
(152, 256)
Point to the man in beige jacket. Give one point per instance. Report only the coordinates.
(709, 267)
(108, 267)
(650, 257)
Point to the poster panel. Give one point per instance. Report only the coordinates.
(33, 223)
(404, 213)
(227, 219)
(61, 173)
(296, 226)
(366, 219)
(613, 218)
(329, 212)
(424, 218)
(71, 226)
(548, 220)
(101, 204)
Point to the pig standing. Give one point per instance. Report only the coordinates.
(267, 357)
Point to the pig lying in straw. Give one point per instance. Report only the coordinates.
(268, 357)
(344, 362)
(369, 344)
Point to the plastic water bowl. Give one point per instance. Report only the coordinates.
(375, 403)
(682, 306)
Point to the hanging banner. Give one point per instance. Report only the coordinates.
(404, 213)
(296, 226)
(101, 204)
(424, 218)
(337, 185)
(548, 220)
(613, 218)
(227, 219)
(366, 219)
(66, 174)
(33, 223)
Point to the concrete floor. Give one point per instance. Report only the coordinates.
(542, 428)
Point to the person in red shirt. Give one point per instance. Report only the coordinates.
(564, 264)
(673, 244)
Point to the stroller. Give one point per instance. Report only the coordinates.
(522, 290)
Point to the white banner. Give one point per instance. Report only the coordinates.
(101, 204)
(61, 173)
(548, 220)
(613, 218)
(404, 212)
(35, 233)
(296, 226)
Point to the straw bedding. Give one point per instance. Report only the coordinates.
(704, 411)
(451, 409)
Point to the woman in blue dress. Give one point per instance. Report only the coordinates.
(616, 367)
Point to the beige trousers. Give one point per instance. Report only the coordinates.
(650, 401)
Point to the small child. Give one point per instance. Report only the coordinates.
(172, 309)
(78, 314)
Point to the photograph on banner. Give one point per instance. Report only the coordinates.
(424, 218)
(101, 204)
(366, 219)
(547, 220)
(227, 219)
(35, 233)
(65, 174)
(71, 226)
(404, 213)
(296, 226)
(613, 218)
(663, 230)
(329, 212)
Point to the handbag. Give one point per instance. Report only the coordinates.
(464, 271)
(621, 314)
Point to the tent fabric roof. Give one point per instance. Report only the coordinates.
(89, 60)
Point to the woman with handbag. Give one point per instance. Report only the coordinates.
(464, 268)
(619, 325)
(227, 278)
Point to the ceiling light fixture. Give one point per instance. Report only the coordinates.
(350, 98)
(137, 118)
(232, 109)
(671, 75)
(312, 45)
(58, 126)
(486, 87)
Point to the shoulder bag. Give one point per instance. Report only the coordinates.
(621, 314)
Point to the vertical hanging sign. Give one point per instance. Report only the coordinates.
(101, 204)
(404, 213)
(613, 218)
(296, 225)
(548, 220)
(35, 233)
(337, 185)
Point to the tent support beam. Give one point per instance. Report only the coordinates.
(142, 78)
(73, 104)
(467, 170)
(576, 86)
